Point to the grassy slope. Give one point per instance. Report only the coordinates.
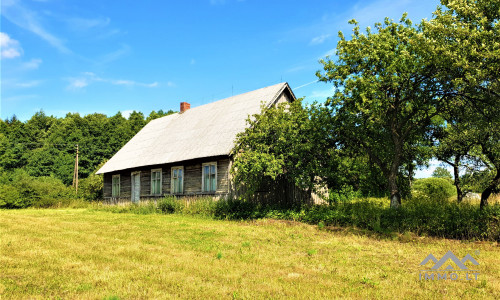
(94, 254)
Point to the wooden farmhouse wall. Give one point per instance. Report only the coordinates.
(192, 180)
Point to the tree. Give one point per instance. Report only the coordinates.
(386, 98)
(288, 142)
(466, 36)
(441, 172)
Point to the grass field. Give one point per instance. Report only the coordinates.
(88, 254)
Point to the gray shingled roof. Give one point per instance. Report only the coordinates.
(203, 131)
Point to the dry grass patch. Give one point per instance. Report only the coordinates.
(97, 255)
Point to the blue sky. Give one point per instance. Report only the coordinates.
(109, 56)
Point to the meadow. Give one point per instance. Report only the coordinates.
(96, 254)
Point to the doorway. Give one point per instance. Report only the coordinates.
(136, 187)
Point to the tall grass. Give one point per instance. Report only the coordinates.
(421, 216)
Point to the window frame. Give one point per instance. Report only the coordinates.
(161, 182)
(203, 176)
(114, 195)
(172, 180)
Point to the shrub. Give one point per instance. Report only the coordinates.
(90, 188)
(10, 197)
(436, 189)
(169, 205)
(22, 190)
(236, 209)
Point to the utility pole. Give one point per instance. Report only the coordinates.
(75, 172)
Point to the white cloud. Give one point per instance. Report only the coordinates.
(82, 24)
(32, 64)
(320, 39)
(19, 98)
(112, 56)
(77, 83)
(10, 48)
(28, 20)
(28, 84)
(10, 83)
(89, 77)
(330, 53)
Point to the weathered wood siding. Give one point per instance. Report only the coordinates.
(192, 179)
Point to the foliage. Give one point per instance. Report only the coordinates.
(44, 148)
(441, 172)
(46, 145)
(288, 142)
(466, 37)
(91, 188)
(20, 190)
(169, 205)
(386, 100)
(435, 189)
(10, 197)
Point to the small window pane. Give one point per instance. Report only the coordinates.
(212, 186)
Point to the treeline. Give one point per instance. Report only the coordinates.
(45, 146)
(404, 93)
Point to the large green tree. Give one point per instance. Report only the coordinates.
(466, 37)
(289, 142)
(386, 97)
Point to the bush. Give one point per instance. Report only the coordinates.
(90, 188)
(237, 209)
(435, 189)
(169, 205)
(20, 190)
(10, 197)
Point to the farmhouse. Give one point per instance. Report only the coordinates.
(187, 153)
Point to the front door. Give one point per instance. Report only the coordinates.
(136, 187)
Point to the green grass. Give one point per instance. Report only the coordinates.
(89, 254)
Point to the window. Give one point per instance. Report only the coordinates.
(115, 186)
(177, 180)
(156, 182)
(209, 177)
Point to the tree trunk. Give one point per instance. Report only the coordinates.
(487, 192)
(460, 195)
(393, 184)
(393, 172)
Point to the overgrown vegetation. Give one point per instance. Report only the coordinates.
(421, 215)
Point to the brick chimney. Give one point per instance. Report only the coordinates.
(185, 106)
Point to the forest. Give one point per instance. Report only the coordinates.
(42, 151)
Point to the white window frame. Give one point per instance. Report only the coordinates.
(161, 181)
(203, 176)
(172, 179)
(112, 185)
